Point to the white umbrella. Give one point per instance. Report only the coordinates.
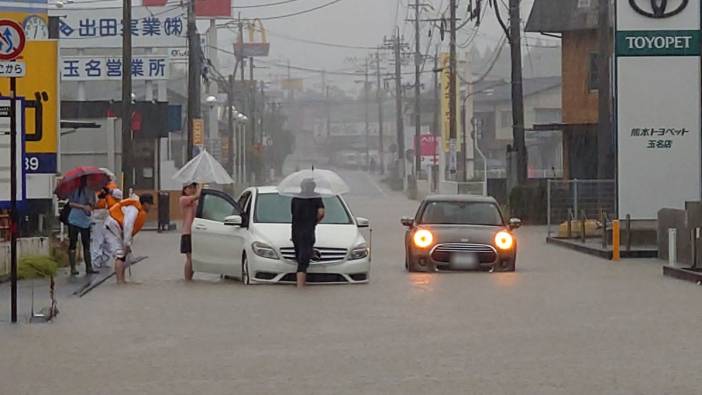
(314, 183)
(203, 169)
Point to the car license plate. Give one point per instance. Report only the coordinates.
(464, 261)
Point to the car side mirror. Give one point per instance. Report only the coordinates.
(407, 221)
(515, 223)
(233, 220)
(362, 222)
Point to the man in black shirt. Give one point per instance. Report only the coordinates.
(307, 212)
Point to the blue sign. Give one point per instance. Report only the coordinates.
(95, 68)
(149, 28)
(40, 163)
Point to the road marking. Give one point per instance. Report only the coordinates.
(375, 184)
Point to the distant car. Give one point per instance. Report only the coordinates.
(460, 232)
(349, 159)
(249, 239)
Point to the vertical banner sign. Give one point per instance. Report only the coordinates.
(658, 83)
(5, 161)
(445, 113)
(198, 132)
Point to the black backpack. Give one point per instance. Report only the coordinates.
(65, 212)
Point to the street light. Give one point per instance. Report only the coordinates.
(62, 3)
(211, 100)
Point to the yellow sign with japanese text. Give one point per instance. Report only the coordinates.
(40, 89)
(445, 106)
(198, 132)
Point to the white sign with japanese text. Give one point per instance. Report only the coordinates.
(151, 27)
(13, 69)
(658, 106)
(100, 68)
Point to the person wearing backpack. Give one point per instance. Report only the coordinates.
(81, 203)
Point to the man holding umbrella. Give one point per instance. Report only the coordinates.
(307, 211)
(307, 188)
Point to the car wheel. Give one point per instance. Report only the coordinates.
(245, 275)
(506, 267)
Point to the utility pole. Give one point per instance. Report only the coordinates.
(517, 91)
(193, 70)
(453, 105)
(365, 105)
(230, 125)
(604, 133)
(252, 115)
(437, 106)
(325, 92)
(379, 97)
(127, 163)
(417, 92)
(397, 48)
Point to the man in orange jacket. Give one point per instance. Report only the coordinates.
(99, 249)
(125, 220)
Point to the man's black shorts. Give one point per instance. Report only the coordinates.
(186, 244)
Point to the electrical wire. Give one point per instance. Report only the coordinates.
(307, 11)
(297, 39)
(301, 68)
(264, 5)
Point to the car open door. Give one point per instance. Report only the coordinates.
(217, 242)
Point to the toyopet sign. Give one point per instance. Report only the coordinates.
(658, 105)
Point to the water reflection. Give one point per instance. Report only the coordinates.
(423, 281)
(505, 280)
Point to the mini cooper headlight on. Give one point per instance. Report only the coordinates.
(358, 252)
(504, 240)
(264, 250)
(423, 238)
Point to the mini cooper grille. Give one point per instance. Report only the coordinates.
(443, 252)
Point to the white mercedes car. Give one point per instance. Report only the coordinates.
(249, 239)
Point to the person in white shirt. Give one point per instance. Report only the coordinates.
(107, 197)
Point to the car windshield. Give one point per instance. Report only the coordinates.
(461, 213)
(272, 208)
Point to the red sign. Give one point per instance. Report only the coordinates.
(154, 3)
(428, 145)
(12, 40)
(213, 8)
(203, 8)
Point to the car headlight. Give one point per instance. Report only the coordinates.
(423, 238)
(358, 252)
(504, 240)
(264, 250)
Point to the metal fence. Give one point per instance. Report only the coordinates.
(580, 201)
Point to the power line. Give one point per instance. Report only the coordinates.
(302, 40)
(303, 68)
(264, 5)
(307, 11)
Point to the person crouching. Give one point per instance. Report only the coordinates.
(126, 219)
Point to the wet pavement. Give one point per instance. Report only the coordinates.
(565, 323)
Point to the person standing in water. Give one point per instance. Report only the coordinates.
(188, 204)
(307, 211)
